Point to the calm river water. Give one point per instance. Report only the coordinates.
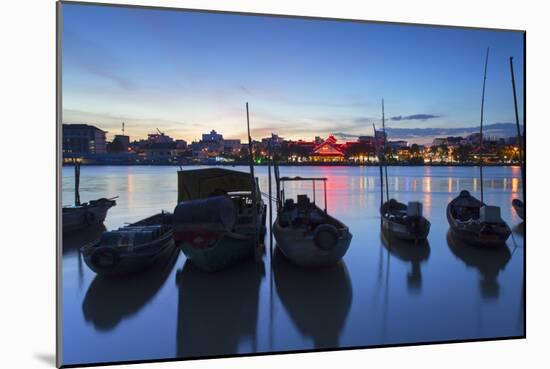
(379, 295)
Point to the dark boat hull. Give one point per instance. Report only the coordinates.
(300, 247)
(518, 207)
(475, 232)
(78, 218)
(128, 260)
(403, 232)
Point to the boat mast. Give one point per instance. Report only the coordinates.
(76, 182)
(520, 141)
(269, 165)
(251, 159)
(254, 184)
(385, 148)
(481, 127)
(380, 167)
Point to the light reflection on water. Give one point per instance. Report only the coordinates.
(380, 293)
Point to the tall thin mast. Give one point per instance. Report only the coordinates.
(384, 150)
(520, 141)
(481, 127)
(255, 194)
(251, 160)
(269, 165)
(380, 167)
(76, 182)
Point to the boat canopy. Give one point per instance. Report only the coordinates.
(203, 183)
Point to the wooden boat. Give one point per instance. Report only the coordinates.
(306, 234)
(132, 248)
(517, 204)
(404, 222)
(471, 220)
(475, 223)
(220, 217)
(83, 215)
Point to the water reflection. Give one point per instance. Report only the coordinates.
(216, 311)
(317, 300)
(488, 261)
(110, 300)
(519, 228)
(75, 240)
(415, 254)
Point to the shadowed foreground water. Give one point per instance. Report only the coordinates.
(382, 293)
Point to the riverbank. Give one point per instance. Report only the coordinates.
(302, 164)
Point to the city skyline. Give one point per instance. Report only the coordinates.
(189, 72)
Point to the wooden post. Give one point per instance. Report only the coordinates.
(255, 194)
(385, 149)
(325, 191)
(270, 202)
(379, 167)
(520, 141)
(76, 183)
(481, 127)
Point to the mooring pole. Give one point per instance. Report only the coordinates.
(76, 182)
(384, 149)
(520, 140)
(481, 127)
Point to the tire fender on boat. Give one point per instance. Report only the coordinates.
(325, 237)
(100, 252)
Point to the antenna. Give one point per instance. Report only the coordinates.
(123, 129)
(481, 127)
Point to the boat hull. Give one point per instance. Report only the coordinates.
(225, 252)
(300, 247)
(518, 207)
(403, 233)
(82, 218)
(130, 262)
(476, 232)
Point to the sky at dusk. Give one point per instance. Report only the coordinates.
(189, 72)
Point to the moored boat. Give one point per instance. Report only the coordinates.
(306, 234)
(220, 217)
(404, 222)
(132, 248)
(83, 215)
(517, 204)
(475, 223)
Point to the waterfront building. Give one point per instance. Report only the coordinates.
(231, 146)
(213, 136)
(83, 139)
(328, 151)
(159, 137)
(398, 145)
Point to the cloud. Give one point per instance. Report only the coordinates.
(422, 117)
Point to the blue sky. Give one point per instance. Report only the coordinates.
(188, 72)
